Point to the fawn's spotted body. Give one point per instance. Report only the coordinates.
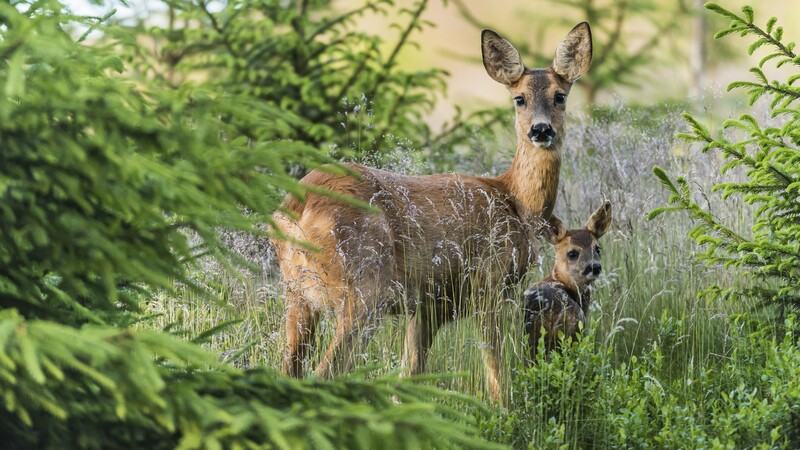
(436, 239)
(559, 304)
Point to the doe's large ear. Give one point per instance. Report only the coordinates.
(500, 58)
(600, 221)
(554, 230)
(574, 53)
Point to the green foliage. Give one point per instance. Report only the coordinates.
(769, 155)
(102, 181)
(337, 88)
(110, 190)
(645, 119)
(102, 387)
(579, 400)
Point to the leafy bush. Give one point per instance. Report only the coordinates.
(102, 183)
(102, 387)
(578, 399)
(769, 153)
(100, 180)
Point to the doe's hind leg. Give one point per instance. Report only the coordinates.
(492, 353)
(301, 324)
(420, 333)
(353, 322)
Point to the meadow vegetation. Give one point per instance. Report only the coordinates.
(693, 335)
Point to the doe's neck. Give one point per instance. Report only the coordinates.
(533, 177)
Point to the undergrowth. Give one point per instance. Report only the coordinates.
(746, 397)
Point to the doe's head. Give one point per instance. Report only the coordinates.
(540, 95)
(577, 251)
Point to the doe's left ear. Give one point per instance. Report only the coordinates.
(600, 221)
(574, 53)
(500, 58)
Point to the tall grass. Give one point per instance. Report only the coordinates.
(647, 264)
(646, 309)
(651, 275)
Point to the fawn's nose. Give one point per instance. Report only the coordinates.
(542, 132)
(593, 269)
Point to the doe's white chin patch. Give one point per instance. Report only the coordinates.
(542, 144)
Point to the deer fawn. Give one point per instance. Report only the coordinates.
(559, 304)
(435, 240)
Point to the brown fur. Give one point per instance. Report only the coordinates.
(434, 240)
(559, 304)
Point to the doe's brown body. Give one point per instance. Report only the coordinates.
(435, 240)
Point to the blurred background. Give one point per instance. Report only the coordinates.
(646, 51)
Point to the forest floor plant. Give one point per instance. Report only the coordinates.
(111, 191)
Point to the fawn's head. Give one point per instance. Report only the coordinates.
(540, 95)
(577, 252)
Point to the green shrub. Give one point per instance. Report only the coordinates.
(109, 190)
(102, 387)
(102, 181)
(768, 151)
(582, 399)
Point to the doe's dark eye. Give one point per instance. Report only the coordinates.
(561, 98)
(519, 101)
(597, 249)
(572, 254)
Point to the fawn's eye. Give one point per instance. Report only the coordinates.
(572, 254)
(561, 98)
(519, 101)
(597, 249)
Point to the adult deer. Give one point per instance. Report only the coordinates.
(436, 240)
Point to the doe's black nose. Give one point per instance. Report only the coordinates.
(542, 132)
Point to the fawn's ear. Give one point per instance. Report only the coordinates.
(600, 221)
(574, 53)
(554, 230)
(500, 58)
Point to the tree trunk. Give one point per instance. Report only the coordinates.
(697, 55)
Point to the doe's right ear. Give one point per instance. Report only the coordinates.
(500, 58)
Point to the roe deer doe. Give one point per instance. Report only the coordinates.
(559, 304)
(435, 239)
